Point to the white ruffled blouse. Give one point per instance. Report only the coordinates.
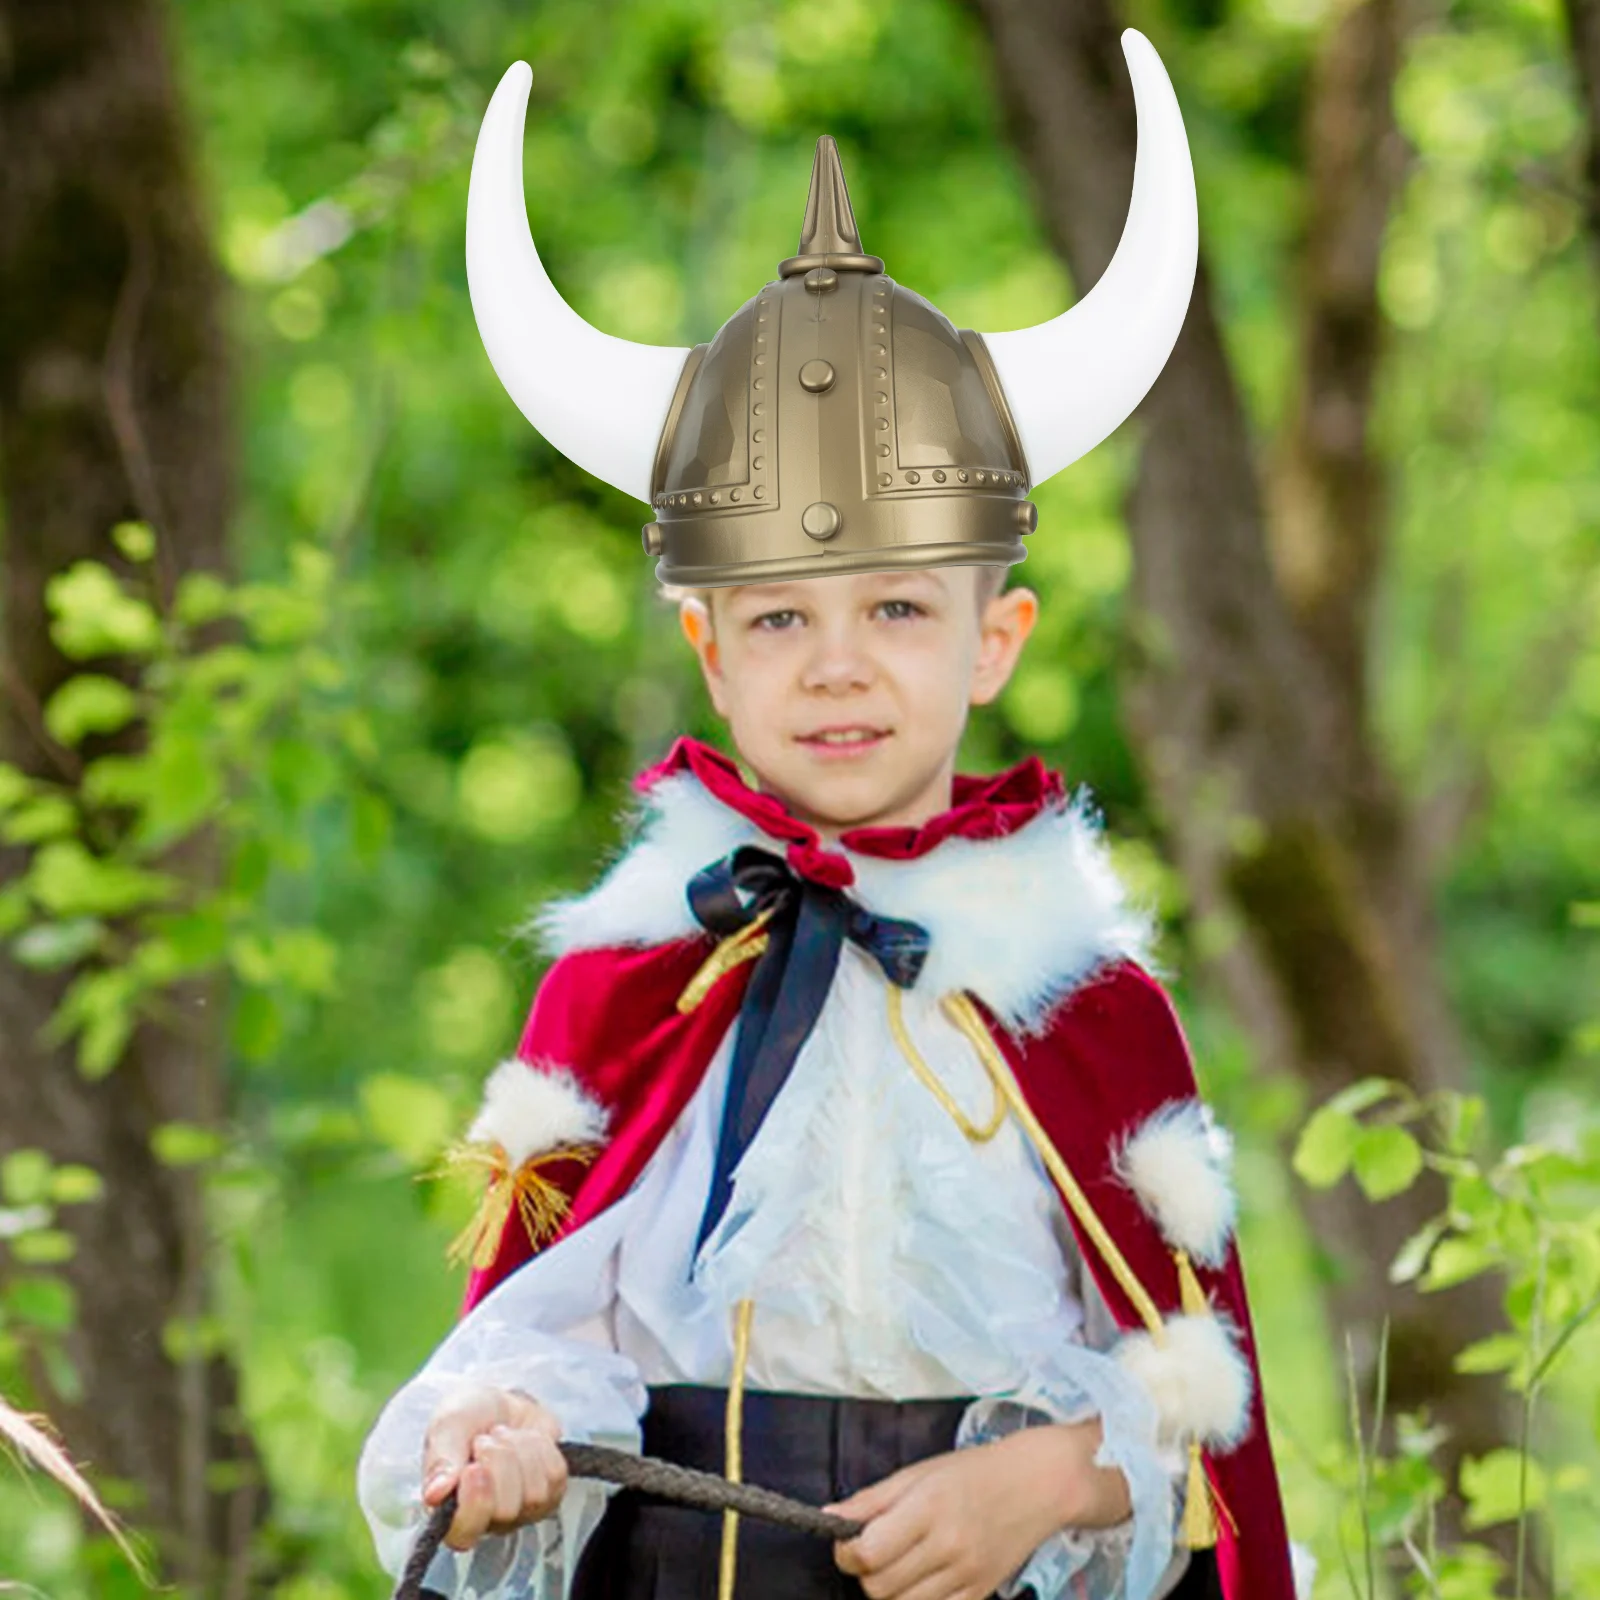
(887, 1255)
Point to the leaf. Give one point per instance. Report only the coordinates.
(1325, 1147)
(67, 881)
(306, 959)
(182, 786)
(49, 945)
(94, 616)
(1386, 1160)
(1492, 1487)
(202, 598)
(48, 1247)
(410, 1116)
(48, 817)
(25, 1176)
(74, 1185)
(89, 703)
(257, 1025)
(185, 1144)
(136, 540)
(15, 786)
(116, 780)
(42, 1302)
(1497, 1353)
(1412, 1256)
(1456, 1260)
(1359, 1096)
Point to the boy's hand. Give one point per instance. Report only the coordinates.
(497, 1449)
(956, 1526)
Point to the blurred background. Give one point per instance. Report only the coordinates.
(319, 671)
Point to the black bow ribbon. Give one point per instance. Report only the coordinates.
(806, 930)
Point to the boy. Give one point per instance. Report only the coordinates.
(848, 1148)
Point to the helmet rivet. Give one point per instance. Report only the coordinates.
(883, 422)
(759, 492)
(820, 520)
(819, 280)
(938, 477)
(651, 534)
(759, 463)
(1027, 517)
(697, 499)
(716, 499)
(913, 477)
(961, 474)
(816, 377)
(981, 477)
(759, 435)
(880, 398)
(884, 480)
(736, 494)
(883, 449)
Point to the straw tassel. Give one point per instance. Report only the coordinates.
(1199, 1530)
(541, 1204)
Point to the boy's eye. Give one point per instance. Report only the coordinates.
(899, 610)
(775, 621)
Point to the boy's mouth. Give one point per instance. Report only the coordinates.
(850, 740)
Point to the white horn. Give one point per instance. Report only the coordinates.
(1072, 380)
(601, 401)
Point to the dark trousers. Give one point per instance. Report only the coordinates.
(815, 1448)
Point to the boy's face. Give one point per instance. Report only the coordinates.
(847, 696)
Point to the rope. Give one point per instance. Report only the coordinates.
(685, 1485)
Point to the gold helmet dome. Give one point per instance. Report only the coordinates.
(837, 422)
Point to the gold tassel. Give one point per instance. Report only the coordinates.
(1202, 1501)
(1190, 1295)
(733, 1448)
(541, 1204)
(1199, 1517)
(745, 945)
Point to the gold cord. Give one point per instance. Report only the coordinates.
(541, 1204)
(745, 945)
(961, 1011)
(908, 1048)
(733, 1448)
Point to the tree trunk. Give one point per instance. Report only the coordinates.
(114, 405)
(1245, 681)
(1583, 30)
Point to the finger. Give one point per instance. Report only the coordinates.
(928, 1557)
(448, 1446)
(474, 1508)
(555, 1466)
(895, 1536)
(942, 1585)
(533, 1471)
(875, 1498)
(494, 1452)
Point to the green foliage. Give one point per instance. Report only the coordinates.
(415, 715)
(1532, 1216)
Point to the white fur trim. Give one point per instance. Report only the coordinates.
(528, 1110)
(1019, 921)
(641, 900)
(1179, 1162)
(1199, 1379)
(1304, 1565)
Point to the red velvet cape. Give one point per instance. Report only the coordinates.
(1111, 1055)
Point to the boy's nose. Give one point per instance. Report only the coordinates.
(838, 664)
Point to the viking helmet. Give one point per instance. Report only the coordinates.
(837, 422)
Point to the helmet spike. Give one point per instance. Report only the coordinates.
(830, 225)
(828, 234)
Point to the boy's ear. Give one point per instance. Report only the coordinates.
(694, 617)
(1003, 629)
